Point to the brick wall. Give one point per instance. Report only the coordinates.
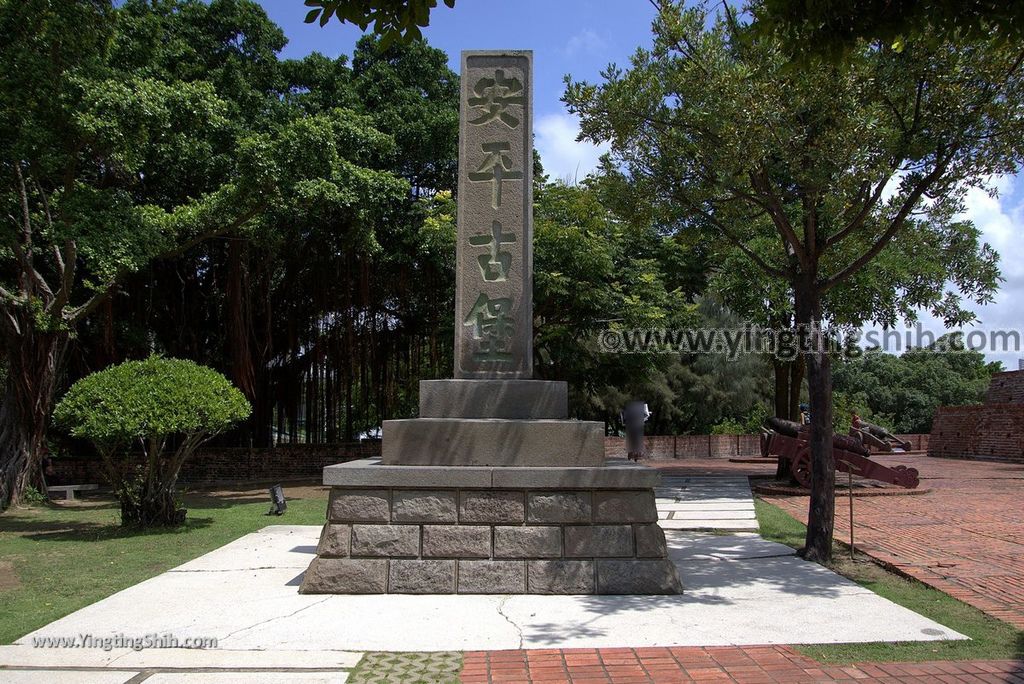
(668, 447)
(987, 431)
(917, 442)
(1006, 388)
(224, 464)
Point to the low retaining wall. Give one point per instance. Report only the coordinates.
(227, 464)
(668, 447)
(985, 431)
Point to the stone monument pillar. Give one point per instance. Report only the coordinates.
(492, 489)
(494, 253)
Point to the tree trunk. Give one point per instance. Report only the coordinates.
(35, 363)
(153, 509)
(789, 378)
(821, 513)
(782, 374)
(796, 383)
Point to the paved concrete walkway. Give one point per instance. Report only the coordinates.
(965, 538)
(706, 502)
(740, 589)
(743, 665)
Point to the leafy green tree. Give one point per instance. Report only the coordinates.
(902, 392)
(168, 407)
(328, 339)
(131, 136)
(391, 19)
(832, 28)
(816, 174)
(593, 272)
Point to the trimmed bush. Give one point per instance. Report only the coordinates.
(165, 407)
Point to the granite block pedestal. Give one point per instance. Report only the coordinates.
(491, 530)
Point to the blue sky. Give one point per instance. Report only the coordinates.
(581, 37)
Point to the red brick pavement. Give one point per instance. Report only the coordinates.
(746, 665)
(965, 537)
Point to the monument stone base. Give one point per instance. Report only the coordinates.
(491, 530)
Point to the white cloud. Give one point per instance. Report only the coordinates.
(564, 158)
(1000, 222)
(585, 42)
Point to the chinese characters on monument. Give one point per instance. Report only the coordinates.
(494, 272)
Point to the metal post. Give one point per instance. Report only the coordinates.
(850, 473)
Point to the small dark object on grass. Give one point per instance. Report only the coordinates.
(277, 503)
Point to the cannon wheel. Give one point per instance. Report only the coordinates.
(801, 468)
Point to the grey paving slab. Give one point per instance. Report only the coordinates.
(739, 589)
(705, 503)
(42, 676)
(707, 525)
(712, 514)
(248, 678)
(23, 654)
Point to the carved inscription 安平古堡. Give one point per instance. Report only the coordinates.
(494, 276)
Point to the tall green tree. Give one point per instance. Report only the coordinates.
(902, 392)
(815, 174)
(326, 314)
(132, 136)
(593, 271)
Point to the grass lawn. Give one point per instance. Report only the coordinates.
(990, 638)
(57, 558)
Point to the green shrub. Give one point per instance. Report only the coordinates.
(749, 425)
(33, 496)
(165, 407)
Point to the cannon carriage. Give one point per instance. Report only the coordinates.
(790, 442)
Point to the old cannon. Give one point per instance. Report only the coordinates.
(876, 437)
(790, 442)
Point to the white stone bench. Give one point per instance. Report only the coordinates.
(69, 490)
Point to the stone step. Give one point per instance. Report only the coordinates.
(492, 442)
(706, 503)
(710, 515)
(725, 525)
(703, 506)
(507, 399)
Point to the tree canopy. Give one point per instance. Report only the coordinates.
(390, 19)
(902, 392)
(148, 399)
(829, 179)
(832, 28)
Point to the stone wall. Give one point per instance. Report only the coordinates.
(985, 431)
(1006, 388)
(486, 541)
